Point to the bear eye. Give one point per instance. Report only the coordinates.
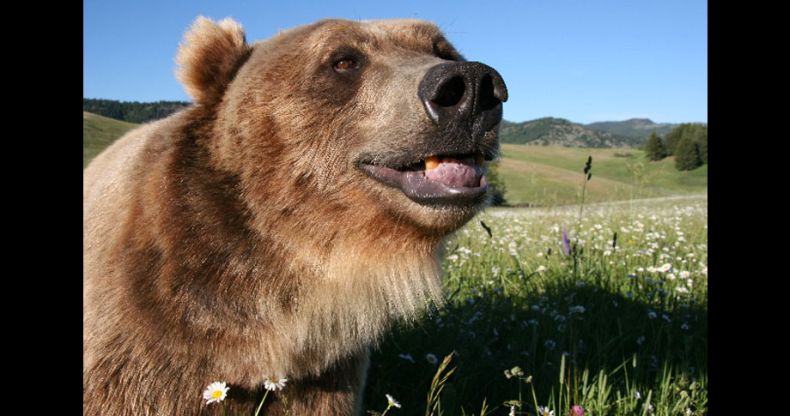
(345, 65)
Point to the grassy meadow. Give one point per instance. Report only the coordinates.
(550, 175)
(619, 328)
(614, 319)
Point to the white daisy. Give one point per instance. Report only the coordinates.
(545, 411)
(216, 392)
(274, 383)
(392, 402)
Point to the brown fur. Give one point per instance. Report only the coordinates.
(237, 240)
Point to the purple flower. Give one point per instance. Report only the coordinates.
(577, 410)
(566, 243)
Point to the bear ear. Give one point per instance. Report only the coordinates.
(209, 57)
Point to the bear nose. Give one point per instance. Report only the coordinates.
(463, 94)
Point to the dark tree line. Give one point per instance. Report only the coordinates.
(132, 111)
(688, 142)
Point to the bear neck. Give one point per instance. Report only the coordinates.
(304, 287)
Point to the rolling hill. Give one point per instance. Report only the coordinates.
(560, 132)
(99, 132)
(637, 128)
(552, 175)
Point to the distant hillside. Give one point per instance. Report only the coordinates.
(99, 132)
(637, 128)
(560, 132)
(553, 175)
(132, 111)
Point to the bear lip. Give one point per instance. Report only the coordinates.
(455, 181)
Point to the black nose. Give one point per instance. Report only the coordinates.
(463, 94)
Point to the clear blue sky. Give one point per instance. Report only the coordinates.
(582, 60)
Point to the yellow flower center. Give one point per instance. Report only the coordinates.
(216, 394)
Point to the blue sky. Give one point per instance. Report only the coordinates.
(581, 60)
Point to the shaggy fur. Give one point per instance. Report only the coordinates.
(237, 239)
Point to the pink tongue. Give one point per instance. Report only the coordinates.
(455, 174)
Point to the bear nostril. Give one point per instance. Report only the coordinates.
(487, 99)
(451, 92)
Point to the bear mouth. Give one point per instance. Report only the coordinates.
(435, 180)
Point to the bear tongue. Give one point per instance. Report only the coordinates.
(456, 174)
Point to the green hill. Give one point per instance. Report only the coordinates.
(559, 132)
(637, 128)
(98, 132)
(552, 175)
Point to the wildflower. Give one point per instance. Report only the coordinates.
(566, 244)
(684, 274)
(512, 411)
(577, 410)
(545, 411)
(431, 359)
(514, 372)
(665, 267)
(549, 344)
(637, 395)
(684, 327)
(406, 357)
(391, 402)
(652, 315)
(274, 383)
(541, 269)
(681, 289)
(216, 392)
(671, 276)
(607, 253)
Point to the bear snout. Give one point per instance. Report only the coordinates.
(467, 95)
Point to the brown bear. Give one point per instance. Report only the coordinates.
(280, 224)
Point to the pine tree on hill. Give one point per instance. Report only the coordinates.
(701, 138)
(654, 148)
(687, 155)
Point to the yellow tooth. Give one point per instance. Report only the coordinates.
(431, 163)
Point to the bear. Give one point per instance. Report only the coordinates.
(277, 227)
